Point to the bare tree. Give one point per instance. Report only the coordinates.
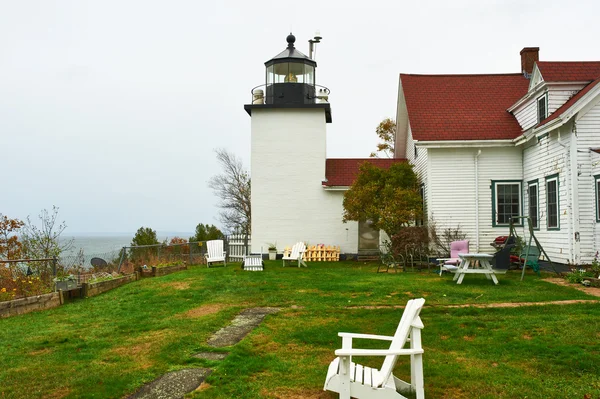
(232, 187)
(44, 241)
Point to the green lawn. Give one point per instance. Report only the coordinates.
(108, 346)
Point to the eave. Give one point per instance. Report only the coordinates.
(464, 143)
(336, 188)
(570, 112)
(538, 89)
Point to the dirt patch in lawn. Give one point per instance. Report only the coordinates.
(178, 285)
(485, 305)
(58, 394)
(595, 291)
(287, 393)
(204, 310)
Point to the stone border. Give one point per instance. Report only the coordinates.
(30, 304)
(93, 289)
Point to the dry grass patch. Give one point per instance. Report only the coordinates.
(39, 352)
(264, 343)
(455, 393)
(291, 393)
(204, 310)
(178, 285)
(58, 393)
(141, 348)
(204, 386)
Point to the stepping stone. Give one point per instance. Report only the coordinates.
(173, 385)
(211, 355)
(240, 326)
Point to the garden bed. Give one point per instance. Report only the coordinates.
(93, 289)
(29, 304)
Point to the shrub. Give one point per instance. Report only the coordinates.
(440, 240)
(416, 237)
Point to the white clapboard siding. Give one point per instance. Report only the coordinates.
(452, 189)
(495, 164)
(588, 136)
(545, 158)
(558, 95)
(420, 166)
(526, 114)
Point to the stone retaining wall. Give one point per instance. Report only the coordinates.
(29, 304)
(103, 286)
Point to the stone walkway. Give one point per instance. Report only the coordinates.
(176, 384)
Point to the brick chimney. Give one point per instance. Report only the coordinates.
(529, 55)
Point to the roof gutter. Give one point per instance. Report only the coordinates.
(464, 143)
(336, 188)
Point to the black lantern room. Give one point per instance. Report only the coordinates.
(290, 77)
(290, 83)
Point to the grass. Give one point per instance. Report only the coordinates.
(108, 346)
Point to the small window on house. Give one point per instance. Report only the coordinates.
(533, 205)
(597, 184)
(542, 105)
(552, 205)
(506, 198)
(416, 152)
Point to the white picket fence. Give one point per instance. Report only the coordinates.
(236, 249)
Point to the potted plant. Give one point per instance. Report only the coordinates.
(65, 283)
(272, 251)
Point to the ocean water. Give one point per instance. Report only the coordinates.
(101, 244)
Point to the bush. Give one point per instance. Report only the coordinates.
(416, 237)
(440, 241)
(577, 276)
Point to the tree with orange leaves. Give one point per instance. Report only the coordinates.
(10, 246)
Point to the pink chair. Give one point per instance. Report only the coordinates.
(451, 264)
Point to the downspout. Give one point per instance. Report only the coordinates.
(576, 256)
(569, 199)
(477, 200)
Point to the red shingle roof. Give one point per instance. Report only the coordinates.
(566, 71)
(570, 102)
(462, 107)
(343, 171)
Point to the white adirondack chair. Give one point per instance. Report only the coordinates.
(350, 379)
(297, 251)
(215, 252)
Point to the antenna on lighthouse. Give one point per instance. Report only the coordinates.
(312, 45)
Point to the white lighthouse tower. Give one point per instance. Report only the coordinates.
(289, 117)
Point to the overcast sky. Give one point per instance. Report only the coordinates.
(111, 110)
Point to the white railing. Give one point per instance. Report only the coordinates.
(237, 247)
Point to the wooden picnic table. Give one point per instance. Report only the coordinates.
(475, 264)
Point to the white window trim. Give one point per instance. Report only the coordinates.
(557, 227)
(544, 98)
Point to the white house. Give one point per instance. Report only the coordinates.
(489, 147)
(297, 192)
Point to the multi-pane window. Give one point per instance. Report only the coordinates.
(552, 206)
(542, 106)
(507, 202)
(597, 183)
(420, 221)
(532, 191)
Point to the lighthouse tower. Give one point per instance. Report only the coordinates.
(289, 117)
